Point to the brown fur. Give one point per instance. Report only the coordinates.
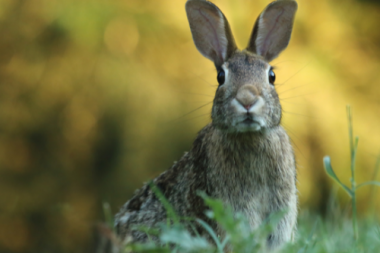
(244, 157)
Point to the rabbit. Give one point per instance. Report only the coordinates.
(244, 156)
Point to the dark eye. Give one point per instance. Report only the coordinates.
(221, 77)
(271, 77)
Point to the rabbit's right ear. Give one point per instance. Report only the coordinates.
(211, 32)
(271, 33)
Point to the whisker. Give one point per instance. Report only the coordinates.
(293, 134)
(204, 80)
(277, 63)
(295, 74)
(299, 96)
(290, 131)
(298, 114)
(200, 94)
(195, 117)
(282, 92)
(287, 102)
(191, 112)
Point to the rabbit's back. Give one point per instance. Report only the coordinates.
(180, 186)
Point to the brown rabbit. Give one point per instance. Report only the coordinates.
(243, 157)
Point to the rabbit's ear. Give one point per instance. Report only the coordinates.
(272, 30)
(211, 32)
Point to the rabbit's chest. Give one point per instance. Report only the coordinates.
(254, 176)
(254, 186)
(249, 192)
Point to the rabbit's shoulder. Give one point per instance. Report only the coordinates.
(166, 183)
(179, 184)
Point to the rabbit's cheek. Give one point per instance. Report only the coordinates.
(275, 112)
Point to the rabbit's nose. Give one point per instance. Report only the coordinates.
(247, 97)
(247, 104)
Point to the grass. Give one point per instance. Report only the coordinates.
(340, 231)
(354, 187)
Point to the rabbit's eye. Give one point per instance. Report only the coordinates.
(271, 77)
(221, 77)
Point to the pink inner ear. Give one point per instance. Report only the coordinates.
(271, 26)
(213, 35)
(273, 29)
(209, 30)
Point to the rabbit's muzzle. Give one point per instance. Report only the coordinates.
(248, 107)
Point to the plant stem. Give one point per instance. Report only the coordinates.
(354, 221)
(373, 188)
(353, 149)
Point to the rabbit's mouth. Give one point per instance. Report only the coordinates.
(249, 124)
(248, 121)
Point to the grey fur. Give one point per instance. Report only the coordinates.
(244, 157)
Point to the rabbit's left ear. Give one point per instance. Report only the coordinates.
(272, 30)
(211, 32)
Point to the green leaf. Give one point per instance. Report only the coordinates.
(309, 239)
(221, 213)
(147, 230)
(182, 238)
(331, 173)
(108, 215)
(212, 234)
(368, 183)
(149, 247)
(169, 209)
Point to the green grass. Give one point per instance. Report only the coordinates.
(351, 191)
(340, 231)
(334, 233)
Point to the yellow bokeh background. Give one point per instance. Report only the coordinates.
(97, 97)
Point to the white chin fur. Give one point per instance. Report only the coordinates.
(253, 127)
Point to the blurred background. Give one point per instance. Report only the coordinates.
(97, 97)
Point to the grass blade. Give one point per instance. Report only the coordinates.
(108, 215)
(368, 183)
(309, 239)
(331, 173)
(169, 209)
(212, 234)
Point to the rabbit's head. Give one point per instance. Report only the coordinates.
(246, 99)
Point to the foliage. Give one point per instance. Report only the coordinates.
(314, 235)
(239, 235)
(350, 191)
